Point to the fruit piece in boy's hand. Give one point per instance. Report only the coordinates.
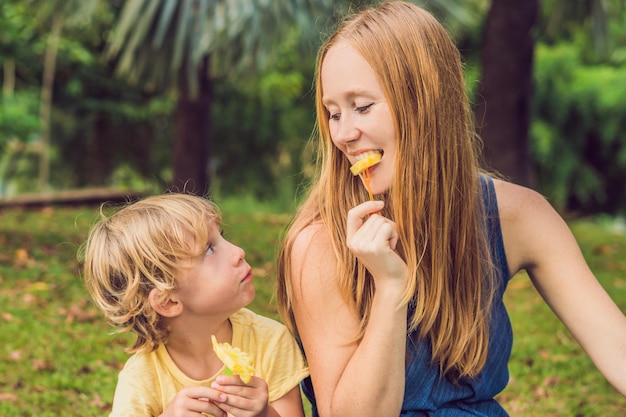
(236, 361)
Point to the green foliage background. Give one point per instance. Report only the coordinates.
(109, 132)
(578, 130)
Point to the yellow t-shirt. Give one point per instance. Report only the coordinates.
(150, 380)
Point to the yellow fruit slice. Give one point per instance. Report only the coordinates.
(365, 163)
(236, 361)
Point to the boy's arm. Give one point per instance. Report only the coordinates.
(288, 405)
(134, 395)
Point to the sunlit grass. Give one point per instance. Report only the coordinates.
(59, 358)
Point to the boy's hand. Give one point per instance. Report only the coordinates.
(193, 400)
(242, 400)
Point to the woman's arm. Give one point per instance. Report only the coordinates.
(352, 378)
(538, 240)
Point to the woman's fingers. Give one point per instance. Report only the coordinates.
(367, 231)
(359, 214)
(372, 238)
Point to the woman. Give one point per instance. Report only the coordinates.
(397, 302)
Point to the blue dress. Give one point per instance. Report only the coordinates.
(426, 392)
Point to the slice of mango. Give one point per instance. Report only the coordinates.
(365, 163)
(235, 360)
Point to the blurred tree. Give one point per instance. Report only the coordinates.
(183, 45)
(100, 126)
(15, 33)
(504, 106)
(53, 15)
(580, 106)
(504, 101)
(585, 20)
(578, 140)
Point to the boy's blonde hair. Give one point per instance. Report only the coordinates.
(136, 250)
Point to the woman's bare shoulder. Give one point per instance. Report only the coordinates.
(515, 201)
(312, 254)
(311, 240)
(531, 227)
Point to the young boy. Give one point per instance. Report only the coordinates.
(161, 268)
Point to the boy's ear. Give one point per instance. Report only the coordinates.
(166, 306)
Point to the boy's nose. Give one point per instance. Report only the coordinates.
(239, 254)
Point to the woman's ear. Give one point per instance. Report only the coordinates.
(165, 305)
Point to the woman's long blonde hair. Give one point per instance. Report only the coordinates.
(435, 197)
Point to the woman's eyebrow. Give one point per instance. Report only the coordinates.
(348, 95)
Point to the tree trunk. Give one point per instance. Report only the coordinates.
(192, 142)
(8, 85)
(99, 153)
(504, 101)
(45, 109)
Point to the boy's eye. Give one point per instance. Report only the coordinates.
(210, 247)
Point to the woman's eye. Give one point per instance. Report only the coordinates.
(209, 250)
(363, 109)
(335, 116)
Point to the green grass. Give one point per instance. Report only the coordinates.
(550, 373)
(59, 358)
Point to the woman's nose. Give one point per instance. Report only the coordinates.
(345, 131)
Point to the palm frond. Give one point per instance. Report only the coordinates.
(156, 41)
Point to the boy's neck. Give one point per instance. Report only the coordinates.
(192, 351)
